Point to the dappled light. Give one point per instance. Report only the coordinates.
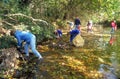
(63, 60)
(75, 62)
(67, 39)
(83, 62)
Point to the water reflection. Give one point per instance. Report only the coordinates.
(109, 71)
(103, 41)
(107, 74)
(114, 61)
(112, 39)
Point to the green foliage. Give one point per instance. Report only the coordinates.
(7, 42)
(61, 23)
(111, 7)
(52, 9)
(15, 6)
(56, 10)
(42, 31)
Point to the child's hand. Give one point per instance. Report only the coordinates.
(19, 49)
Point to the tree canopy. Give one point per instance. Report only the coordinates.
(52, 10)
(62, 8)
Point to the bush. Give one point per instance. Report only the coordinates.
(42, 31)
(61, 23)
(7, 42)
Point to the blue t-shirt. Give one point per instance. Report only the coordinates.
(74, 32)
(22, 36)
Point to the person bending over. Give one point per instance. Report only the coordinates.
(73, 34)
(29, 39)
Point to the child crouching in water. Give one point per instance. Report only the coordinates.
(58, 33)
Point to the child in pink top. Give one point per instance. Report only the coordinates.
(114, 26)
(89, 26)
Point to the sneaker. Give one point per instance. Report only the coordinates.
(40, 60)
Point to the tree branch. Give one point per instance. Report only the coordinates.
(33, 20)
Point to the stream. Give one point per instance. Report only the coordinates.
(95, 60)
(109, 71)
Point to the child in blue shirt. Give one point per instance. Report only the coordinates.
(29, 38)
(73, 34)
(58, 33)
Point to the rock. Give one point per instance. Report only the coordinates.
(78, 41)
(8, 61)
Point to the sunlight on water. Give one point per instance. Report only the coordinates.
(109, 72)
(101, 43)
(114, 61)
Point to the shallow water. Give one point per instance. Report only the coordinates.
(82, 62)
(110, 71)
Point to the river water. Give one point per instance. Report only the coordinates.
(109, 71)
